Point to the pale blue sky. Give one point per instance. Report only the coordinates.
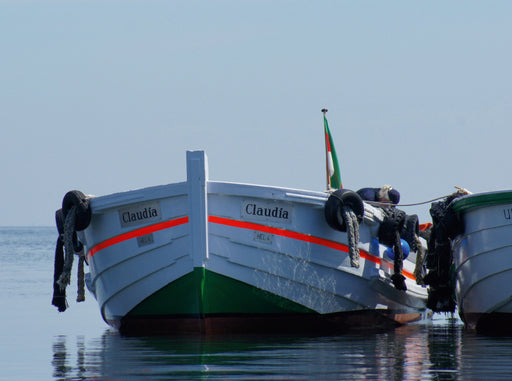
(106, 96)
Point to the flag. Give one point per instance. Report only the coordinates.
(333, 169)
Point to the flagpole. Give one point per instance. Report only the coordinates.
(324, 111)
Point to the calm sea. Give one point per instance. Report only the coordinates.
(39, 343)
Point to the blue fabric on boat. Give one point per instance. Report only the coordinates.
(372, 194)
(394, 196)
(369, 194)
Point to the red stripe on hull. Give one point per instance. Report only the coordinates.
(303, 237)
(136, 233)
(243, 225)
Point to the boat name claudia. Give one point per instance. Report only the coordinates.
(266, 211)
(140, 213)
(507, 213)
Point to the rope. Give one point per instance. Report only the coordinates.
(388, 204)
(399, 254)
(69, 231)
(350, 219)
(59, 296)
(81, 278)
(418, 268)
(68, 236)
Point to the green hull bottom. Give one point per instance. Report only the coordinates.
(202, 292)
(206, 302)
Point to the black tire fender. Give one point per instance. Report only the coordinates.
(83, 210)
(335, 203)
(411, 230)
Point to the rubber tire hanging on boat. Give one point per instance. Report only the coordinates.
(83, 211)
(83, 214)
(439, 258)
(411, 230)
(389, 235)
(334, 205)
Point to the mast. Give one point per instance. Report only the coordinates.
(326, 138)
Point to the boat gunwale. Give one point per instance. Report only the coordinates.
(480, 200)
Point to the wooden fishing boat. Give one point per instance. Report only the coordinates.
(482, 255)
(217, 257)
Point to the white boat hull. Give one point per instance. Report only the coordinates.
(214, 257)
(483, 262)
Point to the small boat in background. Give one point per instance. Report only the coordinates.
(482, 256)
(205, 256)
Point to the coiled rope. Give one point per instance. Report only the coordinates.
(352, 224)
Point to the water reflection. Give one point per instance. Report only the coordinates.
(444, 352)
(408, 353)
(62, 369)
(59, 357)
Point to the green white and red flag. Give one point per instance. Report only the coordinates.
(332, 166)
